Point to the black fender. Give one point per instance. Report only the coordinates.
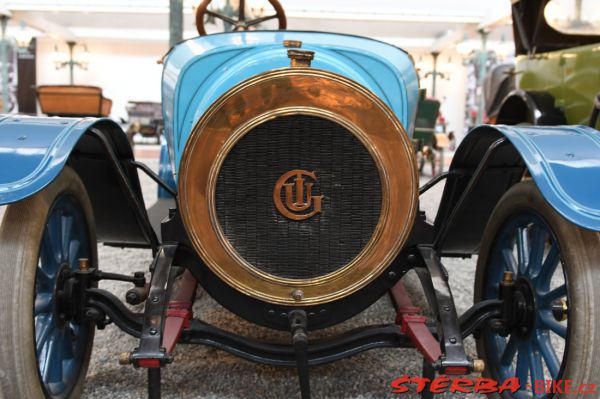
(530, 107)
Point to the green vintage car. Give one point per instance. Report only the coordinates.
(558, 58)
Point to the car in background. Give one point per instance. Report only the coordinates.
(424, 136)
(145, 122)
(557, 44)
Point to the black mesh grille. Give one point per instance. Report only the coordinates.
(347, 177)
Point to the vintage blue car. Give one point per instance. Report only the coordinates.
(295, 204)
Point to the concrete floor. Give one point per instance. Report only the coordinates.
(200, 372)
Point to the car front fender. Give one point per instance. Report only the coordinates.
(33, 151)
(564, 162)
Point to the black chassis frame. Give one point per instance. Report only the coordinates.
(421, 253)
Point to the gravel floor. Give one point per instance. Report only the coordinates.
(200, 372)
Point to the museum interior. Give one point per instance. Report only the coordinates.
(116, 46)
(181, 130)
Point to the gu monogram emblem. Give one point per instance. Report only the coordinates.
(291, 207)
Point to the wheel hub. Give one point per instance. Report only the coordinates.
(61, 315)
(524, 303)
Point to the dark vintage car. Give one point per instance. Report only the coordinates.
(498, 84)
(295, 204)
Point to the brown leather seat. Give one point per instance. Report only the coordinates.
(66, 100)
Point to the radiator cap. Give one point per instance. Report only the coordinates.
(300, 58)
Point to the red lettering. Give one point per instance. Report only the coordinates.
(440, 384)
(421, 383)
(464, 385)
(398, 384)
(539, 386)
(511, 385)
(569, 387)
(486, 385)
(556, 386)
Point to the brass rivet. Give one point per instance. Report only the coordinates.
(565, 309)
(298, 295)
(478, 365)
(124, 358)
(292, 43)
(300, 58)
(560, 310)
(507, 278)
(84, 264)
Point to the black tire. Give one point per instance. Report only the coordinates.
(20, 240)
(579, 257)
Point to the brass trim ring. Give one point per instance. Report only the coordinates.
(298, 91)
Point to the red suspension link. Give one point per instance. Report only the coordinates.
(413, 324)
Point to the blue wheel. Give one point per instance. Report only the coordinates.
(553, 332)
(41, 242)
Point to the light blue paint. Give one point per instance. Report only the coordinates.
(198, 71)
(164, 170)
(33, 151)
(564, 162)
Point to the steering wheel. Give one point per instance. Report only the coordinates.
(241, 23)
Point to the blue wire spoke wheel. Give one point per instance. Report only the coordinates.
(46, 350)
(553, 332)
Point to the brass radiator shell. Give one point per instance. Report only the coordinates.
(298, 91)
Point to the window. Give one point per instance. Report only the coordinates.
(574, 16)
